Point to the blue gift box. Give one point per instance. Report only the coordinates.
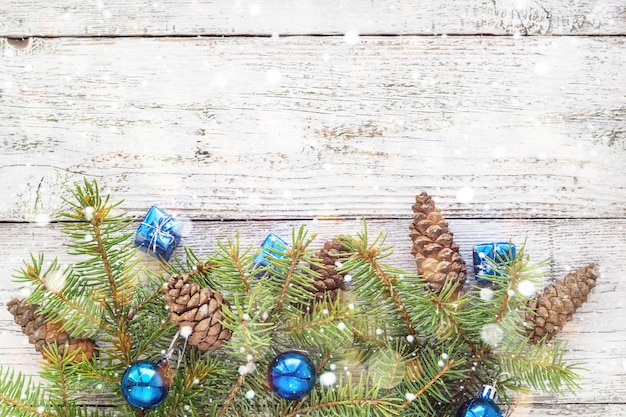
(159, 233)
(272, 246)
(487, 254)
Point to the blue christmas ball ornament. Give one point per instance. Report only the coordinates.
(145, 384)
(291, 375)
(482, 405)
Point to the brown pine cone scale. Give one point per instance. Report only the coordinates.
(330, 283)
(41, 333)
(199, 309)
(558, 302)
(436, 255)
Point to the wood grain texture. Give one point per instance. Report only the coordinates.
(250, 128)
(268, 17)
(595, 336)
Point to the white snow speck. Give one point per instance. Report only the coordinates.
(492, 334)
(247, 369)
(255, 9)
(410, 338)
(250, 394)
(341, 326)
(333, 366)
(55, 282)
(511, 293)
(441, 363)
(325, 311)
(526, 288)
(338, 264)
(542, 68)
(247, 317)
(273, 76)
(465, 195)
(486, 294)
(41, 409)
(351, 306)
(328, 378)
(42, 220)
(347, 278)
(196, 381)
(186, 407)
(379, 332)
(186, 331)
(444, 356)
(409, 396)
(87, 238)
(351, 37)
(498, 151)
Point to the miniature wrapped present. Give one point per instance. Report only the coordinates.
(159, 233)
(272, 247)
(488, 256)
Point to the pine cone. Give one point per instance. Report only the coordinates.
(41, 333)
(558, 302)
(330, 283)
(200, 309)
(436, 255)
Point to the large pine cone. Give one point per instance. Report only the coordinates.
(558, 302)
(41, 333)
(200, 309)
(330, 283)
(436, 255)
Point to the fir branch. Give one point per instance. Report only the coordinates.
(231, 395)
(19, 396)
(541, 366)
(59, 306)
(295, 256)
(375, 271)
(428, 384)
(59, 372)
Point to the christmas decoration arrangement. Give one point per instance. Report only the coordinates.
(285, 329)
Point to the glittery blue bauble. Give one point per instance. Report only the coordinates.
(291, 375)
(479, 407)
(145, 384)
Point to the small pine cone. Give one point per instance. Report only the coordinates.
(200, 309)
(436, 255)
(41, 333)
(330, 283)
(558, 302)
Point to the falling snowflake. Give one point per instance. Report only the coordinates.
(527, 288)
(186, 331)
(42, 220)
(273, 76)
(351, 37)
(486, 294)
(250, 394)
(492, 334)
(328, 378)
(465, 195)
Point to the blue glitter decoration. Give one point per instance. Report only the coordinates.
(291, 375)
(272, 246)
(482, 405)
(145, 384)
(486, 254)
(159, 233)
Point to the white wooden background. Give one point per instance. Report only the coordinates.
(263, 115)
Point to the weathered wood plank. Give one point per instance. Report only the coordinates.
(267, 17)
(245, 128)
(595, 336)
